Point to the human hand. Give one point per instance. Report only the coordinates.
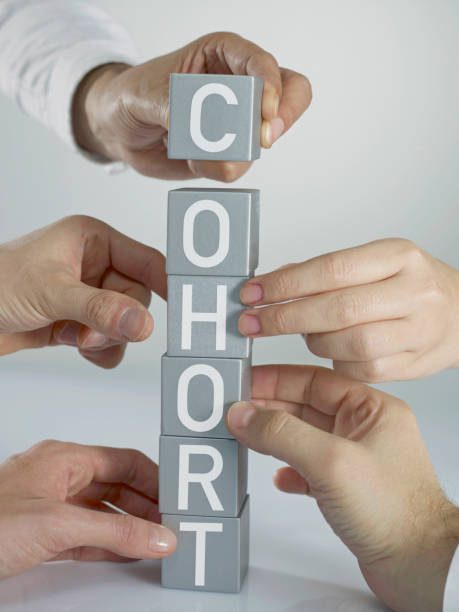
(121, 112)
(382, 311)
(81, 283)
(52, 507)
(359, 453)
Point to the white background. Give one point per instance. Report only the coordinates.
(376, 155)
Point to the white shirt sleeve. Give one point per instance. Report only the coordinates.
(451, 599)
(47, 47)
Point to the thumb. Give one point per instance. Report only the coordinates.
(113, 314)
(310, 451)
(122, 534)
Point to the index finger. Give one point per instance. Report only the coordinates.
(245, 57)
(138, 261)
(367, 263)
(320, 388)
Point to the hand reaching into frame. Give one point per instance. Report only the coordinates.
(381, 311)
(80, 283)
(359, 453)
(52, 507)
(121, 112)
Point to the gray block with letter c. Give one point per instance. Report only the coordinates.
(214, 117)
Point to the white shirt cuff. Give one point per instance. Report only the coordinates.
(73, 65)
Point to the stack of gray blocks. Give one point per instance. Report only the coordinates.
(212, 248)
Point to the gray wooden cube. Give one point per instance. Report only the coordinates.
(212, 553)
(197, 392)
(202, 317)
(205, 476)
(214, 117)
(213, 231)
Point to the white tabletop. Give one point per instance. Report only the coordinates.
(297, 564)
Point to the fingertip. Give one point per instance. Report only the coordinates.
(251, 293)
(162, 541)
(240, 415)
(272, 131)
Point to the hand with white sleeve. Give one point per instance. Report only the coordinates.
(121, 112)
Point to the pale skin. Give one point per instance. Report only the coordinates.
(359, 453)
(78, 282)
(381, 311)
(52, 507)
(121, 112)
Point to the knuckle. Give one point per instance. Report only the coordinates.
(413, 255)
(374, 371)
(228, 172)
(275, 425)
(99, 306)
(46, 446)
(335, 267)
(343, 308)
(431, 292)
(283, 284)
(279, 322)
(124, 529)
(363, 345)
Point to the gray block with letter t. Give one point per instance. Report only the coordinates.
(201, 476)
(202, 317)
(212, 552)
(214, 117)
(213, 231)
(197, 392)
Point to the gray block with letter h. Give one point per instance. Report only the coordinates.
(212, 552)
(202, 317)
(214, 117)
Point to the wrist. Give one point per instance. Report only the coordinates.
(91, 107)
(414, 579)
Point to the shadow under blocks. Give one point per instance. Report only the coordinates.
(212, 248)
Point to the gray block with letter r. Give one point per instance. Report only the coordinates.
(202, 317)
(204, 476)
(213, 231)
(214, 117)
(212, 552)
(197, 392)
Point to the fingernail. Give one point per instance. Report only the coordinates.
(95, 340)
(132, 323)
(68, 334)
(251, 293)
(240, 414)
(276, 129)
(162, 540)
(249, 325)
